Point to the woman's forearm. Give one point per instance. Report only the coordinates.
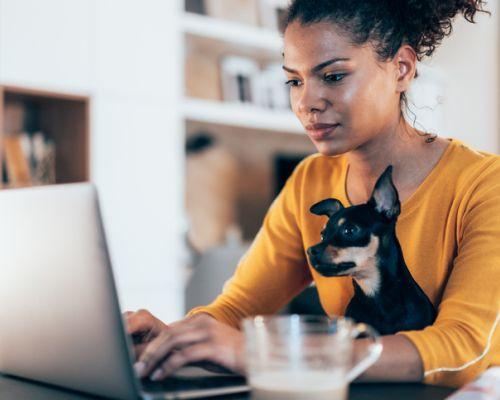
(400, 361)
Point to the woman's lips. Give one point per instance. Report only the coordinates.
(320, 131)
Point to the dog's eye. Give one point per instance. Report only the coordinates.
(349, 230)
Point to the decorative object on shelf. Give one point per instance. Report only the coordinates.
(272, 14)
(196, 6)
(244, 11)
(29, 160)
(43, 156)
(202, 74)
(239, 79)
(211, 191)
(273, 93)
(243, 81)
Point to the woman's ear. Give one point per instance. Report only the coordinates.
(406, 66)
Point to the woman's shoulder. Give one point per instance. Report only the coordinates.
(474, 174)
(471, 164)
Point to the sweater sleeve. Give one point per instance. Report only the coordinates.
(272, 271)
(464, 339)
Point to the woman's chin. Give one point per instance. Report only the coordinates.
(329, 148)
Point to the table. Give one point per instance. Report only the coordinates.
(15, 389)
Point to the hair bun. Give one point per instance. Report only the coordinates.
(427, 22)
(422, 24)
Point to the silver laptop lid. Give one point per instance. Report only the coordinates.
(52, 253)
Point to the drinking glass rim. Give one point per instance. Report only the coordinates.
(301, 319)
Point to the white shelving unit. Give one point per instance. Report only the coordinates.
(235, 33)
(254, 136)
(241, 115)
(227, 37)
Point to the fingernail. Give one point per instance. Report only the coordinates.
(140, 368)
(157, 375)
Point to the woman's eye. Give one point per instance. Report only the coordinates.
(334, 77)
(292, 82)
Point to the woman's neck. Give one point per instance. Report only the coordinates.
(405, 149)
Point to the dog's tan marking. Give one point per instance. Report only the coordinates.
(341, 221)
(365, 272)
(330, 253)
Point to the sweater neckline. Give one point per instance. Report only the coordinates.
(412, 202)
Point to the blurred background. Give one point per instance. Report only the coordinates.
(178, 112)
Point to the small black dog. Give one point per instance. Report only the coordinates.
(360, 241)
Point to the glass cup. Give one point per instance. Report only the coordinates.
(296, 357)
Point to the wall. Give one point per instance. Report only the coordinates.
(470, 61)
(47, 44)
(138, 149)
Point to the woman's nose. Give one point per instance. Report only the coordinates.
(311, 101)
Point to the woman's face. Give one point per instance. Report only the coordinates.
(343, 96)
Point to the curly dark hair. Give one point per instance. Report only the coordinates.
(388, 24)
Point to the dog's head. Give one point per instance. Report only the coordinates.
(351, 238)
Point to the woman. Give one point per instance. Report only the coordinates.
(349, 65)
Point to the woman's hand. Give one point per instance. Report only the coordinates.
(194, 340)
(143, 327)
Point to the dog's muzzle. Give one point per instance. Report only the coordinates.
(326, 269)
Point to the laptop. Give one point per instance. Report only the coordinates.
(61, 321)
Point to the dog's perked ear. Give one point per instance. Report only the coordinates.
(385, 196)
(326, 207)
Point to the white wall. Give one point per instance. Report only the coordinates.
(138, 149)
(46, 44)
(470, 62)
(124, 54)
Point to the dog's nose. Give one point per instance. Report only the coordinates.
(312, 251)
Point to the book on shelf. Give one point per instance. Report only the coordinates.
(233, 76)
(29, 160)
(16, 161)
(239, 79)
(268, 14)
(243, 11)
(244, 81)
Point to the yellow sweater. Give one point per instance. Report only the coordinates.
(449, 231)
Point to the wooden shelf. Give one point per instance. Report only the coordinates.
(63, 118)
(241, 115)
(233, 35)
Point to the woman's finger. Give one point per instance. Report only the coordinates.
(177, 329)
(138, 349)
(140, 321)
(164, 344)
(189, 354)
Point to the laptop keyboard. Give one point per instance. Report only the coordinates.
(192, 383)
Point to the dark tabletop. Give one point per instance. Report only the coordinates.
(15, 389)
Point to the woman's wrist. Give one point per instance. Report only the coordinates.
(400, 360)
